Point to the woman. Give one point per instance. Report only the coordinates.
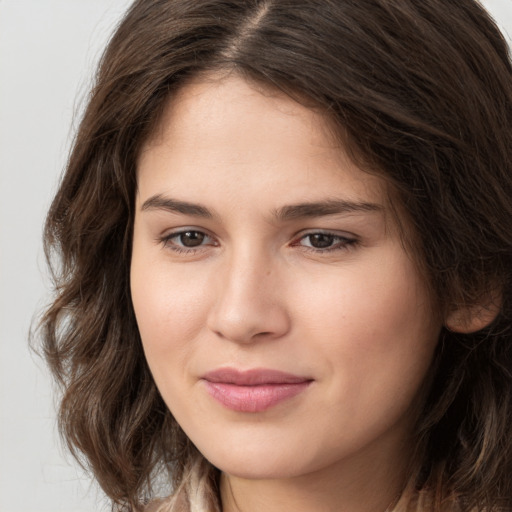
(285, 244)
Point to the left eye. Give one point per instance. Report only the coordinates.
(325, 241)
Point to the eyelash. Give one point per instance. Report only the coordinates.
(167, 241)
(340, 243)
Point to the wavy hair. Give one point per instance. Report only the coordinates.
(422, 93)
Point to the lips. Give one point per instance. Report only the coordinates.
(253, 390)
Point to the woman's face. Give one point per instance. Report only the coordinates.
(285, 326)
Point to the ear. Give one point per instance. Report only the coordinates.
(468, 319)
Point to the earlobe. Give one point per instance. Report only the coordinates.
(469, 319)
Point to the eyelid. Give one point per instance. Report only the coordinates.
(330, 232)
(344, 240)
(167, 239)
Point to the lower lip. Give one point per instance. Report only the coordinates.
(257, 398)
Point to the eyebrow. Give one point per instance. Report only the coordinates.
(288, 212)
(325, 208)
(159, 202)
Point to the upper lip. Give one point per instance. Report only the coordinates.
(252, 377)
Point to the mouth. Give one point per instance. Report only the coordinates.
(253, 390)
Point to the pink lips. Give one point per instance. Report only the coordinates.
(253, 390)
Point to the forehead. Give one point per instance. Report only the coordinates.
(202, 112)
(249, 137)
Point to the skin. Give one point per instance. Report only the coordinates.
(354, 316)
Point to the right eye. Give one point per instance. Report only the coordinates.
(187, 240)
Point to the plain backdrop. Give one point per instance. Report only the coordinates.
(48, 52)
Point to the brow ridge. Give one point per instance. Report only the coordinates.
(324, 208)
(284, 213)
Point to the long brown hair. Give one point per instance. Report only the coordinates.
(421, 90)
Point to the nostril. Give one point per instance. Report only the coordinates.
(266, 333)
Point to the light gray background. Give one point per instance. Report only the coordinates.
(48, 50)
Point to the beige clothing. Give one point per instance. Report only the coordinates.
(409, 502)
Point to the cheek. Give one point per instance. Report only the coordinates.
(374, 331)
(372, 320)
(170, 308)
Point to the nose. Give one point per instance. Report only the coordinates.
(249, 302)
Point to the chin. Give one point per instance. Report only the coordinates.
(256, 470)
(256, 462)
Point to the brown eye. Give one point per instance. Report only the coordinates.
(188, 241)
(191, 238)
(324, 242)
(321, 240)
